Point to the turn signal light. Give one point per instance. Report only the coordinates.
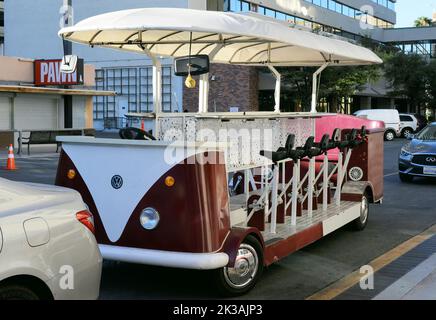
(169, 181)
(71, 174)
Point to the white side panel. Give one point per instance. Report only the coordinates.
(237, 217)
(5, 113)
(35, 113)
(139, 167)
(341, 219)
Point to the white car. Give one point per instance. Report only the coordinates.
(390, 117)
(408, 124)
(47, 246)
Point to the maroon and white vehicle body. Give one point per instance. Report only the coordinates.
(201, 226)
(215, 202)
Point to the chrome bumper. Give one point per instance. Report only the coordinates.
(186, 260)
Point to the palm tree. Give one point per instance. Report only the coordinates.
(423, 22)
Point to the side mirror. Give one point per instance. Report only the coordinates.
(191, 65)
(69, 64)
(411, 136)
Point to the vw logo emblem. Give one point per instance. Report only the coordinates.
(117, 182)
(431, 159)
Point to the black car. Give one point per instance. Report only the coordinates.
(418, 157)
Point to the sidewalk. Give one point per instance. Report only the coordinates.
(410, 277)
(417, 284)
(37, 151)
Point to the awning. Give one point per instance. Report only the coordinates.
(43, 90)
(229, 37)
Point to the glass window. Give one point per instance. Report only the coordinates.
(406, 118)
(235, 5)
(270, 13)
(429, 133)
(281, 16)
(245, 6)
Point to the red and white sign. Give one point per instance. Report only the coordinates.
(47, 73)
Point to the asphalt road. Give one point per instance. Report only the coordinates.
(407, 210)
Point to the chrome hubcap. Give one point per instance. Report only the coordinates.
(364, 210)
(245, 269)
(390, 136)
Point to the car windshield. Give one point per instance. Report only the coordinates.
(428, 133)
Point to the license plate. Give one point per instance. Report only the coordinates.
(430, 170)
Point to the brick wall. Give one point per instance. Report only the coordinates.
(235, 86)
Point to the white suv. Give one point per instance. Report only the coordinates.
(47, 246)
(408, 124)
(390, 117)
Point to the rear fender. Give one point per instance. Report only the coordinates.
(354, 190)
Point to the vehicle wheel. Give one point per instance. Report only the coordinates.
(17, 292)
(248, 268)
(407, 132)
(360, 223)
(389, 135)
(405, 177)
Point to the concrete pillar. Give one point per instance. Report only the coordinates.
(197, 4)
(89, 113)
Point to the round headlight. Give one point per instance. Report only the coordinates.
(149, 218)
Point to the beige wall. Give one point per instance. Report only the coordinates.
(16, 70)
(21, 70)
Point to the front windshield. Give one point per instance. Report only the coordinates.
(429, 133)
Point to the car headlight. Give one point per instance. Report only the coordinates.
(405, 155)
(149, 218)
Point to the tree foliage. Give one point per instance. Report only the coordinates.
(432, 84)
(410, 76)
(423, 22)
(413, 77)
(335, 83)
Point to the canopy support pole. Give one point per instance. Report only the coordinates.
(157, 85)
(203, 103)
(315, 86)
(157, 92)
(203, 90)
(278, 77)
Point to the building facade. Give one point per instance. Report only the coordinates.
(127, 74)
(130, 74)
(26, 107)
(350, 19)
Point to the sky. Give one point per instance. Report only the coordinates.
(409, 10)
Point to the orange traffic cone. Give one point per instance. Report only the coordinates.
(11, 159)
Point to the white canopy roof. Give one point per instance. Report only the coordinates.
(233, 38)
